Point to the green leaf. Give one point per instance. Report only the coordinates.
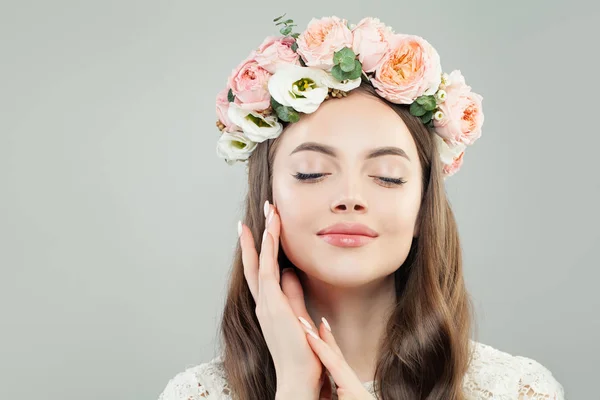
(295, 35)
(357, 72)
(417, 110)
(347, 65)
(286, 30)
(428, 102)
(289, 21)
(302, 61)
(275, 104)
(294, 46)
(287, 114)
(428, 116)
(337, 72)
(344, 54)
(230, 96)
(278, 18)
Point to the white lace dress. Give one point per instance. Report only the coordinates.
(492, 374)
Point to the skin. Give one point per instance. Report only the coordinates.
(352, 287)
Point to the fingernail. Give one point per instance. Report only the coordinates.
(326, 324)
(311, 333)
(264, 235)
(270, 217)
(305, 323)
(239, 228)
(266, 208)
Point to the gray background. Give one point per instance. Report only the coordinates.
(118, 221)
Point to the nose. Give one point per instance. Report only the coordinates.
(349, 204)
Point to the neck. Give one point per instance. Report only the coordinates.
(358, 317)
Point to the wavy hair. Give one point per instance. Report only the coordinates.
(425, 350)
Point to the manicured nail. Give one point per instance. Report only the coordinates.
(305, 323)
(264, 235)
(239, 228)
(311, 333)
(266, 208)
(326, 324)
(270, 217)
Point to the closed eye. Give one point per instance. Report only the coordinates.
(389, 182)
(308, 177)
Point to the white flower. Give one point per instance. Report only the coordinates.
(302, 88)
(448, 153)
(234, 146)
(256, 127)
(441, 95)
(438, 115)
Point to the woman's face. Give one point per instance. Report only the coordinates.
(353, 163)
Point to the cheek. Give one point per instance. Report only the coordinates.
(399, 220)
(296, 207)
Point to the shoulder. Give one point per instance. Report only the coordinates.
(200, 382)
(496, 374)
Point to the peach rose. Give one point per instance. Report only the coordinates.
(321, 39)
(249, 85)
(275, 51)
(222, 110)
(463, 114)
(411, 68)
(451, 169)
(371, 42)
(451, 155)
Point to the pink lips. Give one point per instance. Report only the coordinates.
(348, 234)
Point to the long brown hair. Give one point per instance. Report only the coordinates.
(425, 350)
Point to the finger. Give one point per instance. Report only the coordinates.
(327, 336)
(273, 225)
(267, 283)
(291, 287)
(339, 369)
(249, 259)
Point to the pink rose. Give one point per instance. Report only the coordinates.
(222, 110)
(249, 83)
(410, 69)
(321, 39)
(275, 51)
(463, 114)
(451, 169)
(371, 42)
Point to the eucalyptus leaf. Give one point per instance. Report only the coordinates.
(357, 72)
(427, 117)
(287, 114)
(347, 65)
(286, 30)
(278, 18)
(294, 46)
(230, 96)
(417, 110)
(345, 53)
(428, 102)
(295, 35)
(337, 73)
(275, 104)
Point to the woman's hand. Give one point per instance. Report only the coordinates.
(278, 309)
(349, 387)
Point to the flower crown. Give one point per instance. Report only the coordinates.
(294, 73)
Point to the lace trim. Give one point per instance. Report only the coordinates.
(492, 374)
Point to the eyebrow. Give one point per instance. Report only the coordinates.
(330, 151)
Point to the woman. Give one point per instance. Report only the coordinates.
(348, 281)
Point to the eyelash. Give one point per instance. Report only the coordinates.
(314, 177)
